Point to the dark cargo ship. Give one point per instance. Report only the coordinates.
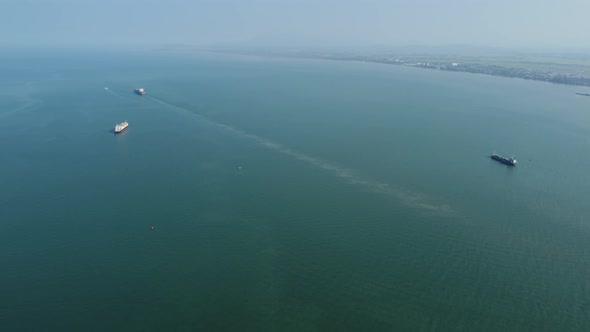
(583, 94)
(507, 161)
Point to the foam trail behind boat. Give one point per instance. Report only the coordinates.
(27, 102)
(408, 198)
(113, 93)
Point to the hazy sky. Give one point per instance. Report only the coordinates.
(502, 23)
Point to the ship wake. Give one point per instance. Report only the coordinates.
(113, 93)
(26, 101)
(410, 199)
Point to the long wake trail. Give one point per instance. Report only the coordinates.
(27, 102)
(411, 199)
(114, 93)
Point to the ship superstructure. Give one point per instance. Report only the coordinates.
(121, 127)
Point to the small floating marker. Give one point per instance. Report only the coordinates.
(240, 167)
(152, 228)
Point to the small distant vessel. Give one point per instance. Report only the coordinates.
(140, 91)
(583, 94)
(121, 127)
(508, 161)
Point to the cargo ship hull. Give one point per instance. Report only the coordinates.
(504, 160)
(120, 130)
(121, 127)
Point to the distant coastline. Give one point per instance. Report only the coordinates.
(547, 69)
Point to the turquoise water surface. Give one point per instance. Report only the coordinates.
(287, 195)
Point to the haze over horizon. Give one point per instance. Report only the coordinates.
(535, 24)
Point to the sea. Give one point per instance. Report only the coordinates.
(274, 194)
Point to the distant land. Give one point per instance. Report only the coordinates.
(561, 69)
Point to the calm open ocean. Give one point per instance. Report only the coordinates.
(287, 195)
